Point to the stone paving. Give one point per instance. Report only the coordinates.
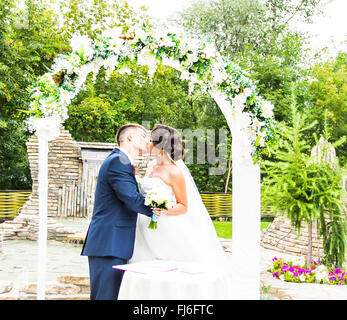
(18, 264)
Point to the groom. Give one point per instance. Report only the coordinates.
(111, 233)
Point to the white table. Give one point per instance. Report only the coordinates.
(159, 280)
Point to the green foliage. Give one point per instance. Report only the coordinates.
(256, 35)
(14, 164)
(163, 99)
(305, 190)
(93, 120)
(289, 175)
(253, 32)
(280, 12)
(231, 25)
(334, 236)
(90, 17)
(326, 90)
(234, 25)
(136, 98)
(29, 40)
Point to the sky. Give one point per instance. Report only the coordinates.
(329, 30)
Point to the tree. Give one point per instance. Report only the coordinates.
(235, 24)
(93, 120)
(255, 34)
(90, 17)
(14, 164)
(230, 25)
(305, 190)
(136, 98)
(326, 89)
(281, 12)
(275, 72)
(29, 40)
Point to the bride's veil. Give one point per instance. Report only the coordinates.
(208, 246)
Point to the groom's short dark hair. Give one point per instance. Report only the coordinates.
(122, 130)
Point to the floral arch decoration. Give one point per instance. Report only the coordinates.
(248, 115)
(117, 48)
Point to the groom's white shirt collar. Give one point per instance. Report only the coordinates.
(128, 155)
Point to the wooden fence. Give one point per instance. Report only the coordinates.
(78, 200)
(218, 204)
(11, 201)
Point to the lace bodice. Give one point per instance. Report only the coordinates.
(148, 181)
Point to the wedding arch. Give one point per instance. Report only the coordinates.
(249, 117)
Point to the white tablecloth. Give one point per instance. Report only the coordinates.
(156, 280)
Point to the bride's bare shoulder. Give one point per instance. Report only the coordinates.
(176, 173)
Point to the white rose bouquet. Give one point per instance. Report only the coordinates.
(158, 198)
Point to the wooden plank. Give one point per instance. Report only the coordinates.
(69, 202)
(73, 200)
(76, 197)
(59, 202)
(90, 207)
(79, 200)
(63, 200)
(85, 191)
(66, 200)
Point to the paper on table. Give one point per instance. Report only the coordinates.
(192, 268)
(147, 267)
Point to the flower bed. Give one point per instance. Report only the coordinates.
(296, 270)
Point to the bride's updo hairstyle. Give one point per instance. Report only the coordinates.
(168, 139)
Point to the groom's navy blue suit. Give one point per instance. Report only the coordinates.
(111, 233)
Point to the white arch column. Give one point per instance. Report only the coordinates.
(246, 210)
(47, 129)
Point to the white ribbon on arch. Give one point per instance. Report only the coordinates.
(246, 209)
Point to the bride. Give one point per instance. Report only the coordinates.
(184, 232)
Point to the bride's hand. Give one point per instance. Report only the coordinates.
(158, 212)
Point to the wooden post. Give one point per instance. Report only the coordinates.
(63, 200)
(59, 202)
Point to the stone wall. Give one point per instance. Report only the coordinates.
(280, 236)
(65, 168)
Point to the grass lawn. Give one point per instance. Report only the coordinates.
(224, 228)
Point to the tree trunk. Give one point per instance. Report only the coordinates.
(228, 176)
(309, 254)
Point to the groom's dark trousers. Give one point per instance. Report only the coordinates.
(111, 233)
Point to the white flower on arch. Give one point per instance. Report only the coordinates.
(82, 45)
(142, 44)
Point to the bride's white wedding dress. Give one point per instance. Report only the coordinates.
(189, 241)
(189, 237)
